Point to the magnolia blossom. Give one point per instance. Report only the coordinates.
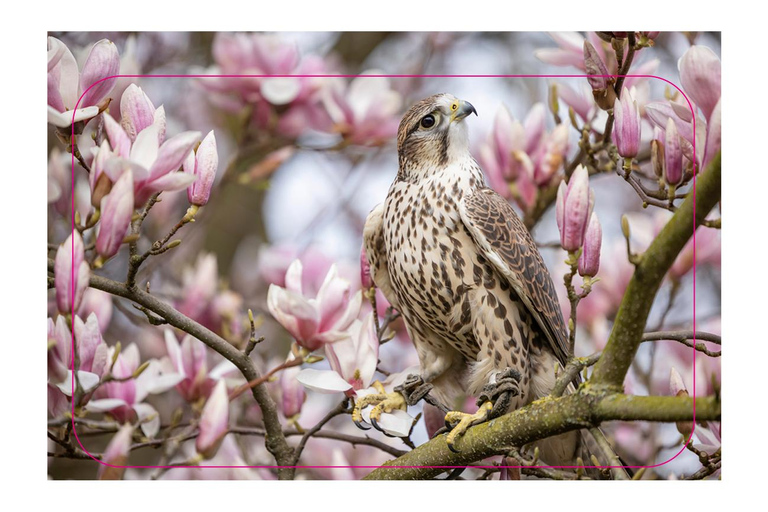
(189, 360)
(520, 157)
(115, 456)
(202, 164)
(274, 260)
(123, 400)
(353, 364)
(116, 212)
(66, 84)
(314, 322)
(99, 303)
(92, 352)
(699, 70)
(673, 155)
(214, 422)
(291, 392)
(626, 128)
(367, 112)
(287, 104)
(140, 145)
(574, 209)
(71, 273)
(199, 284)
(589, 261)
(570, 51)
(352, 360)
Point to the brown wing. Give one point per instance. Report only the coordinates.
(504, 240)
(375, 252)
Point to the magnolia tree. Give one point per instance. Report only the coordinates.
(227, 332)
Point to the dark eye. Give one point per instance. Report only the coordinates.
(428, 121)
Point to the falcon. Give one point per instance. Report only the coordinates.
(452, 256)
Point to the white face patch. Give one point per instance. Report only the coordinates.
(458, 141)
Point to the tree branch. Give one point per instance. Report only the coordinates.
(632, 316)
(543, 418)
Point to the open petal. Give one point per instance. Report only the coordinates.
(323, 381)
(64, 119)
(88, 381)
(105, 404)
(171, 182)
(397, 423)
(172, 153)
(145, 149)
(281, 90)
(149, 419)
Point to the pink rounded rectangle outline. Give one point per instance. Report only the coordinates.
(322, 75)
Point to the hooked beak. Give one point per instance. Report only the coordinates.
(465, 108)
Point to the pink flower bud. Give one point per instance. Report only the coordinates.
(103, 61)
(673, 155)
(116, 212)
(595, 66)
(136, 111)
(71, 273)
(651, 35)
(657, 152)
(574, 207)
(626, 128)
(214, 421)
(589, 261)
(203, 164)
(365, 270)
(700, 77)
(116, 454)
(293, 394)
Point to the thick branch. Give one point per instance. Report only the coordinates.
(541, 419)
(632, 316)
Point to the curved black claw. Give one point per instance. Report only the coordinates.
(506, 387)
(377, 427)
(453, 448)
(361, 426)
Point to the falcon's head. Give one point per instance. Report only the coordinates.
(432, 133)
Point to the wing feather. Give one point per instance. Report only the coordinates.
(504, 240)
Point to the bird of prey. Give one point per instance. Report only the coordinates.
(452, 256)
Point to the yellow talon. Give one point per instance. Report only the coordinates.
(382, 402)
(464, 421)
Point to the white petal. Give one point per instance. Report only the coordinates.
(144, 411)
(222, 369)
(145, 147)
(88, 381)
(322, 381)
(105, 404)
(280, 91)
(397, 423)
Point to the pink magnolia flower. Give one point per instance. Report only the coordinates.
(366, 112)
(314, 322)
(673, 155)
(365, 270)
(116, 213)
(274, 260)
(626, 128)
(214, 422)
(124, 400)
(520, 157)
(199, 284)
(202, 164)
(71, 273)
(190, 360)
(292, 392)
(595, 68)
(91, 350)
(66, 84)
(699, 69)
(580, 100)
(570, 51)
(700, 73)
(137, 112)
(589, 261)
(574, 209)
(708, 246)
(352, 360)
(99, 303)
(116, 454)
(287, 104)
